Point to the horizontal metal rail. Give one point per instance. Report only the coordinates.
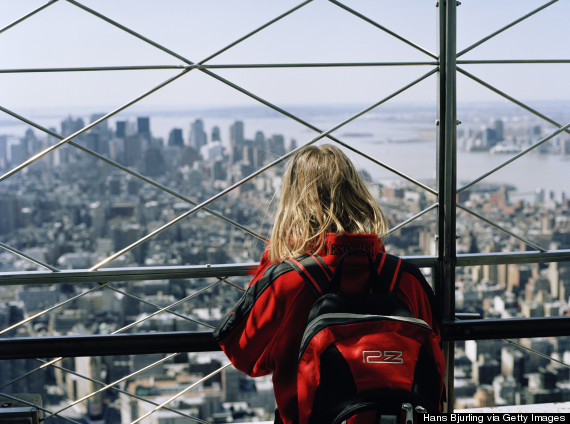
(107, 344)
(91, 69)
(244, 269)
(513, 258)
(203, 341)
(506, 328)
(215, 66)
(512, 61)
(127, 274)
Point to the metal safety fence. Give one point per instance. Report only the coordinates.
(21, 341)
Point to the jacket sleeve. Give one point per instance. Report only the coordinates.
(249, 331)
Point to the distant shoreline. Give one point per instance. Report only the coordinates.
(261, 110)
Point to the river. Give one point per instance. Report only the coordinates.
(403, 139)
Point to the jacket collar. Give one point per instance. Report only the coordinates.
(337, 244)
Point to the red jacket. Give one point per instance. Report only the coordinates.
(262, 334)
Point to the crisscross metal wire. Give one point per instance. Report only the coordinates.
(203, 67)
(69, 140)
(514, 101)
(200, 66)
(115, 384)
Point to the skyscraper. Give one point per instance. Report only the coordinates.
(499, 129)
(101, 128)
(121, 129)
(175, 137)
(198, 137)
(277, 145)
(260, 149)
(3, 150)
(236, 141)
(71, 125)
(143, 126)
(133, 149)
(489, 137)
(216, 134)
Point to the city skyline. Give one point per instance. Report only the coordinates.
(387, 134)
(133, 143)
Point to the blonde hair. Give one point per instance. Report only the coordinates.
(322, 193)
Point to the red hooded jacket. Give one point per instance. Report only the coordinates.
(262, 334)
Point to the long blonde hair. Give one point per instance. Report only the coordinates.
(322, 193)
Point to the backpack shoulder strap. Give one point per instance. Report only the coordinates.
(389, 271)
(314, 271)
(434, 302)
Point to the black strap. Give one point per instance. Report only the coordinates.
(315, 272)
(391, 269)
(320, 278)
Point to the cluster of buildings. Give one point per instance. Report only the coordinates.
(71, 210)
(493, 138)
(499, 372)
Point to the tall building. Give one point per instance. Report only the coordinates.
(153, 162)
(534, 133)
(489, 137)
(18, 152)
(133, 148)
(236, 141)
(101, 128)
(71, 125)
(559, 277)
(216, 134)
(3, 150)
(498, 127)
(259, 150)
(277, 145)
(565, 145)
(143, 126)
(175, 138)
(293, 145)
(198, 137)
(121, 129)
(259, 140)
(28, 142)
(10, 207)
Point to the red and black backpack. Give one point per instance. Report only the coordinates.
(364, 355)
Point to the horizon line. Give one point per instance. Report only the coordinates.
(221, 107)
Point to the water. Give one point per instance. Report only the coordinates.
(409, 147)
(403, 139)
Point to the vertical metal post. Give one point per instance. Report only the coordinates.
(447, 179)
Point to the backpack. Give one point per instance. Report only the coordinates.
(364, 355)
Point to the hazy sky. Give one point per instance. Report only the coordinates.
(64, 35)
